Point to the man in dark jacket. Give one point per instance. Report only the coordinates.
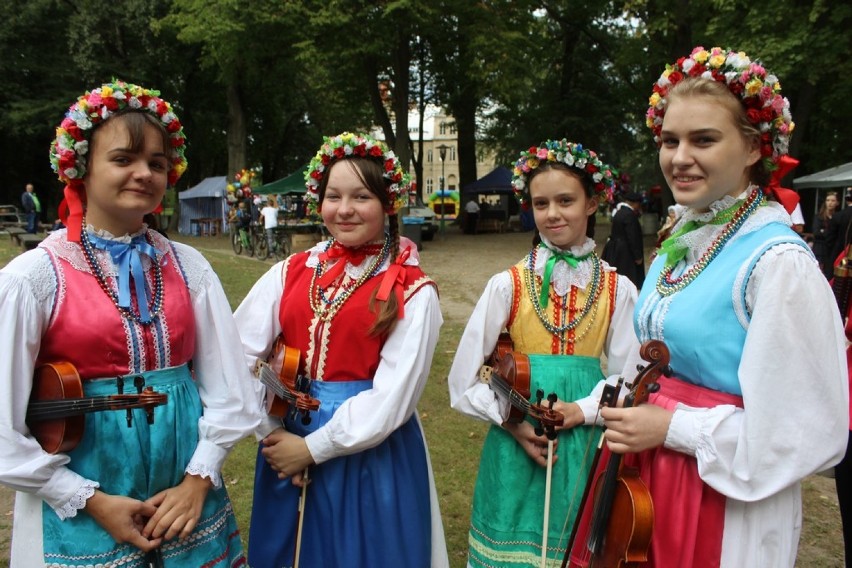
(625, 250)
(32, 207)
(838, 235)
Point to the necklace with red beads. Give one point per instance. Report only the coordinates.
(666, 285)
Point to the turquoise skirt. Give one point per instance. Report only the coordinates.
(506, 527)
(370, 509)
(138, 462)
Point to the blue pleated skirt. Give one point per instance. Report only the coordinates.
(138, 462)
(370, 509)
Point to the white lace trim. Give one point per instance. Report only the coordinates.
(353, 271)
(699, 240)
(104, 234)
(202, 470)
(194, 267)
(563, 276)
(78, 501)
(43, 281)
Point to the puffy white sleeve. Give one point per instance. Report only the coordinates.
(468, 394)
(231, 411)
(368, 418)
(27, 289)
(794, 380)
(258, 325)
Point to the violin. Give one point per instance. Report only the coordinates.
(507, 372)
(622, 519)
(286, 390)
(57, 408)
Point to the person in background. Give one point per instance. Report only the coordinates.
(116, 307)
(471, 209)
(752, 403)
(625, 249)
(819, 230)
(364, 319)
(564, 309)
(838, 235)
(32, 208)
(269, 214)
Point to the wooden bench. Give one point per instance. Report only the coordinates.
(29, 241)
(15, 233)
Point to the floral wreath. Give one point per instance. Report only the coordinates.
(348, 145)
(69, 151)
(759, 91)
(565, 152)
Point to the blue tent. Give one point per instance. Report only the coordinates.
(497, 181)
(207, 200)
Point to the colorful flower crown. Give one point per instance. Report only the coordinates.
(68, 154)
(568, 153)
(759, 91)
(348, 145)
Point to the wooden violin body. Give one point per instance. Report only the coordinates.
(286, 390)
(622, 518)
(57, 409)
(508, 373)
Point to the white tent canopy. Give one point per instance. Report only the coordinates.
(838, 176)
(204, 201)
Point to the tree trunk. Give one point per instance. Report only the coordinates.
(236, 131)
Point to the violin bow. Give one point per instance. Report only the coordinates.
(301, 518)
(547, 484)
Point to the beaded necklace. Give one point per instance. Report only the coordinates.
(591, 301)
(326, 307)
(666, 285)
(128, 313)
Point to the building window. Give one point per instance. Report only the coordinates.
(429, 155)
(430, 186)
(452, 153)
(443, 128)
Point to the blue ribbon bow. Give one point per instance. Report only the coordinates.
(126, 257)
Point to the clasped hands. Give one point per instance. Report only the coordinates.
(171, 513)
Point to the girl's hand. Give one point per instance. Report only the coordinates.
(535, 446)
(178, 508)
(123, 518)
(286, 454)
(571, 412)
(635, 429)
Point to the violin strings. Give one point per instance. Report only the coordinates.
(46, 409)
(268, 378)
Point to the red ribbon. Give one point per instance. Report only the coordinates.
(786, 197)
(71, 213)
(394, 279)
(343, 254)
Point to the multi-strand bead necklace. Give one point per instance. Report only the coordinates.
(666, 285)
(591, 300)
(324, 307)
(156, 304)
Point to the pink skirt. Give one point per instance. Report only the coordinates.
(689, 516)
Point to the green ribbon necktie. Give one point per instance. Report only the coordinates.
(555, 256)
(674, 250)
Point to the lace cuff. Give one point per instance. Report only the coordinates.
(78, 500)
(202, 470)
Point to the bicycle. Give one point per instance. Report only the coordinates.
(238, 243)
(281, 244)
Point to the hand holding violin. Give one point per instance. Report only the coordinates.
(630, 430)
(287, 454)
